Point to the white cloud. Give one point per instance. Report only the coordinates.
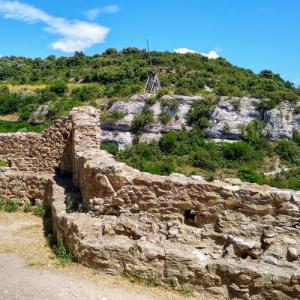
(74, 35)
(109, 9)
(210, 55)
(185, 51)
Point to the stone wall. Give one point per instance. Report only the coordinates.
(238, 240)
(233, 239)
(36, 152)
(25, 187)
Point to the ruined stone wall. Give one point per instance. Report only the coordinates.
(36, 152)
(233, 239)
(236, 239)
(85, 136)
(25, 187)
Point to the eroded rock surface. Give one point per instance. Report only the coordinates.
(228, 120)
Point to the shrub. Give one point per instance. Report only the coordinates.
(6, 126)
(287, 150)
(266, 104)
(2, 204)
(168, 142)
(296, 137)
(249, 175)
(202, 159)
(165, 118)
(182, 91)
(198, 115)
(111, 148)
(297, 110)
(86, 93)
(59, 87)
(62, 107)
(117, 115)
(142, 120)
(253, 133)
(163, 92)
(151, 101)
(237, 151)
(187, 290)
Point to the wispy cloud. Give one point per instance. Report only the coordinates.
(94, 13)
(210, 55)
(74, 35)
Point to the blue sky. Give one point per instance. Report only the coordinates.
(256, 34)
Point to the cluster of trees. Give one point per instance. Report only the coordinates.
(124, 73)
(60, 98)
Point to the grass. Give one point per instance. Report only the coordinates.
(13, 206)
(39, 211)
(3, 164)
(141, 277)
(187, 290)
(9, 206)
(7, 126)
(63, 256)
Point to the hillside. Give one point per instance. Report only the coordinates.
(175, 130)
(124, 73)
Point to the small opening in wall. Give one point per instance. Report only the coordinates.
(190, 217)
(32, 201)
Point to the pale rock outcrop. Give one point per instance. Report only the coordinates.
(228, 120)
(281, 122)
(121, 132)
(230, 116)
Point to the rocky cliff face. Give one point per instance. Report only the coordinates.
(229, 118)
(281, 121)
(121, 132)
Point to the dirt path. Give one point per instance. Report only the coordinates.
(29, 270)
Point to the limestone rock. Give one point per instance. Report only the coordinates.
(292, 254)
(281, 121)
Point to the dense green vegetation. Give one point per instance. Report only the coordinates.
(6, 126)
(189, 153)
(120, 74)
